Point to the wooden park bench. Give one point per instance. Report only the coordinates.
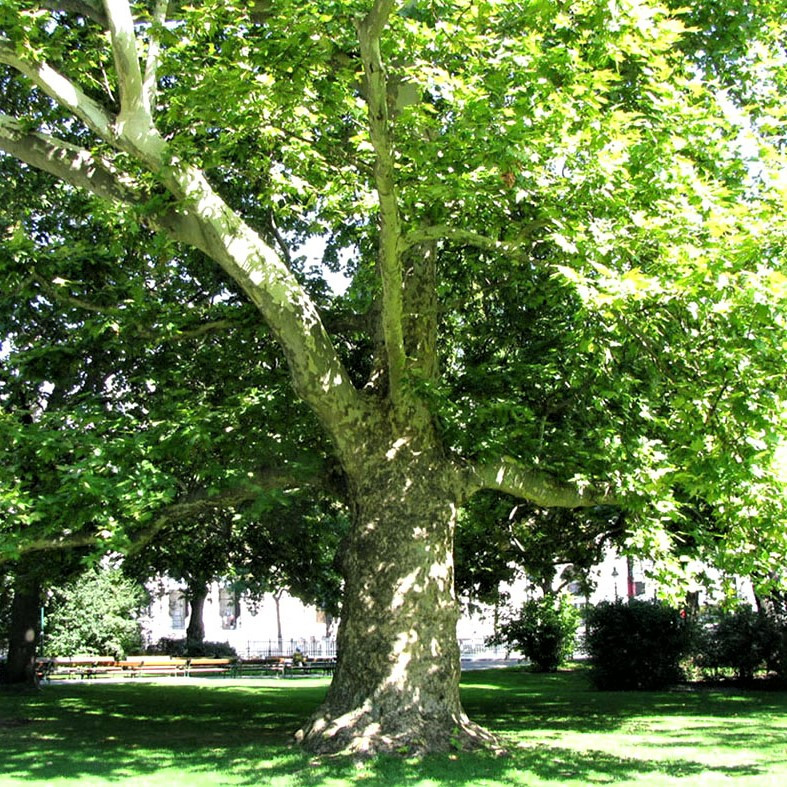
(203, 666)
(151, 666)
(268, 665)
(313, 666)
(76, 667)
(154, 666)
(157, 666)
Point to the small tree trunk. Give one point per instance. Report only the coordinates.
(24, 629)
(396, 685)
(195, 632)
(277, 601)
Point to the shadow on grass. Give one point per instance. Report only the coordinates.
(222, 733)
(566, 700)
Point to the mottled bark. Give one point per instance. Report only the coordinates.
(396, 686)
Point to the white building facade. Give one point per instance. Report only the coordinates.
(279, 623)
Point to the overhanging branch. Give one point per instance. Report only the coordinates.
(512, 477)
(69, 163)
(63, 91)
(516, 249)
(84, 170)
(190, 507)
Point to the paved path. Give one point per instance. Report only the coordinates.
(471, 664)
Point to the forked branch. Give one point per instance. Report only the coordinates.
(149, 80)
(135, 121)
(390, 259)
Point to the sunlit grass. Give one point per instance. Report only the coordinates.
(557, 730)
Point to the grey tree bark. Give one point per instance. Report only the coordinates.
(396, 686)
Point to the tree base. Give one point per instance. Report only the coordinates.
(364, 733)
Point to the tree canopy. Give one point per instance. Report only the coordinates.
(562, 226)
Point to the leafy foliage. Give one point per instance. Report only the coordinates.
(499, 538)
(95, 614)
(743, 640)
(543, 630)
(562, 228)
(636, 644)
(621, 318)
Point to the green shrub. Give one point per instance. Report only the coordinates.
(779, 662)
(544, 631)
(742, 640)
(95, 614)
(167, 646)
(636, 644)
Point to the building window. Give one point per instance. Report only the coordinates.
(229, 608)
(178, 609)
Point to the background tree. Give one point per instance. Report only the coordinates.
(565, 260)
(22, 601)
(281, 542)
(97, 614)
(543, 630)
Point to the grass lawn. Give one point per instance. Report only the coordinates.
(558, 731)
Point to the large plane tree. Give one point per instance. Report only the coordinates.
(561, 226)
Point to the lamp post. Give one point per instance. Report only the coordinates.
(615, 579)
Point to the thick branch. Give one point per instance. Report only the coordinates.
(64, 91)
(135, 121)
(124, 50)
(470, 238)
(513, 478)
(149, 80)
(67, 162)
(369, 31)
(317, 371)
(207, 223)
(90, 9)
(80, 168)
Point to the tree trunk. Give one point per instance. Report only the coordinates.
(277, 600)
(24, 628)
(195, 632)
(396, 685)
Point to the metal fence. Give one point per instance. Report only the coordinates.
(311, 647)
(477, 648)
(315, 647)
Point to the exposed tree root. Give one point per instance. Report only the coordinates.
(364, 733)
